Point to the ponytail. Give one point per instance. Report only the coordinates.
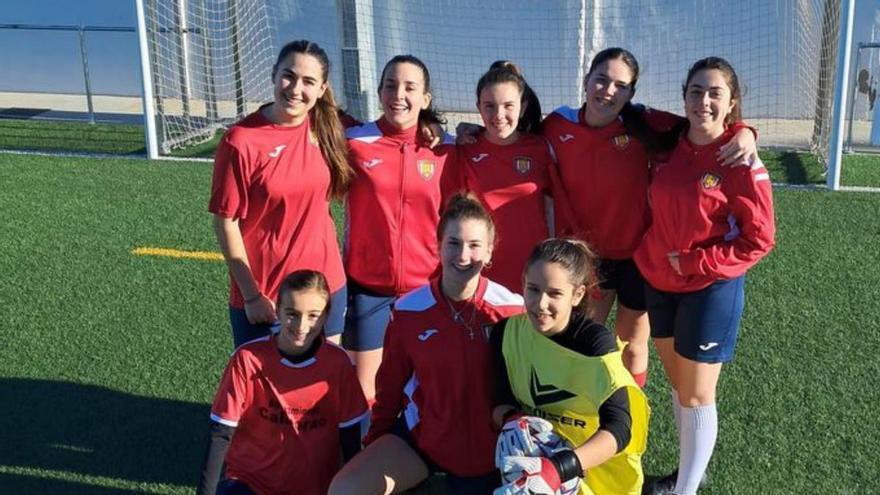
(331, 140)
(503, 71)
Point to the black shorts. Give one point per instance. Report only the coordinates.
(465, 485)
(624, 277)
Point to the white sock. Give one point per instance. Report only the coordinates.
(676, 411)
(699, 429)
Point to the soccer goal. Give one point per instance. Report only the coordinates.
(210, 60)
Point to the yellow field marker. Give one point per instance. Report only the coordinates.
(177, 253)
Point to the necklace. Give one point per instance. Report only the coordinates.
(458, 315)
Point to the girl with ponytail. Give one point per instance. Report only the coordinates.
(507, 167)
(275, 173)
(557, 369)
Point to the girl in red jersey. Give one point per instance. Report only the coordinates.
(274, 175)
(285, 404)
(392, 209)
(507, 166)
(603, 186)
(710, 225)
(434, 388)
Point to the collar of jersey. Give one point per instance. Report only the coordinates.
(389, 131)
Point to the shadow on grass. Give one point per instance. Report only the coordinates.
(90, 430)
(797, 168)
(21, 484)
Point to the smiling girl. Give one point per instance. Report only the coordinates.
(555, 362)
(392, 209)
(433, 400)
(507, 167)
(711, 224)
(285, 404)
(275, 173)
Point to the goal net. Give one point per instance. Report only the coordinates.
(212, 58)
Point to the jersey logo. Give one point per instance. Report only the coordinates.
(566, 137)
(707, 346)
(313, 139)
(426, 169)
(621, 141)
(710, 181)
(277, 151)
(543, 394)
(372, 163)
(480, 157)
(523, 164)
(424, 336)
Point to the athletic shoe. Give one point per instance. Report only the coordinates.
(666, 484)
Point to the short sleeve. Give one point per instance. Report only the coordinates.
(233, 394)
(230, 182)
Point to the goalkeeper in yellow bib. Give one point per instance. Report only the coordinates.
(560, 374)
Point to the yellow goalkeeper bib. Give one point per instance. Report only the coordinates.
(567, 388)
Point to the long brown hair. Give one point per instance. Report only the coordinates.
(726, 70)
(632, 114)
(324, 119)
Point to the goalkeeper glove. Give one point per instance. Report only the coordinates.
(517, 438)
(559, 473)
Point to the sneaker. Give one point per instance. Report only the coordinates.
(666, 484)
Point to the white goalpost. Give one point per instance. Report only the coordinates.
(207, 63)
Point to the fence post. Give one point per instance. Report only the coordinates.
(85, 65)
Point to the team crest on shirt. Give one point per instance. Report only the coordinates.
(621, 141)
(426, 169)
(313, 139)
(710, 181)
(487, 331)
(523, 164)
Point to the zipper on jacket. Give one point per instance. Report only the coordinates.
(400, 219)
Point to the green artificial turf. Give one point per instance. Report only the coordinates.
(108, 361)
(121, 139)
(861, 170)
(788, 167)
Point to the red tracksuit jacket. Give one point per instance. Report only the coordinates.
(438, 373)
(393, 207)
(719, 218)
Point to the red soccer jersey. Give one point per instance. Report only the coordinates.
(512, 182)
(719, 218)
(274, 180)
(286, 416)
(438, 373)
(603, 180)
(393, 207)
